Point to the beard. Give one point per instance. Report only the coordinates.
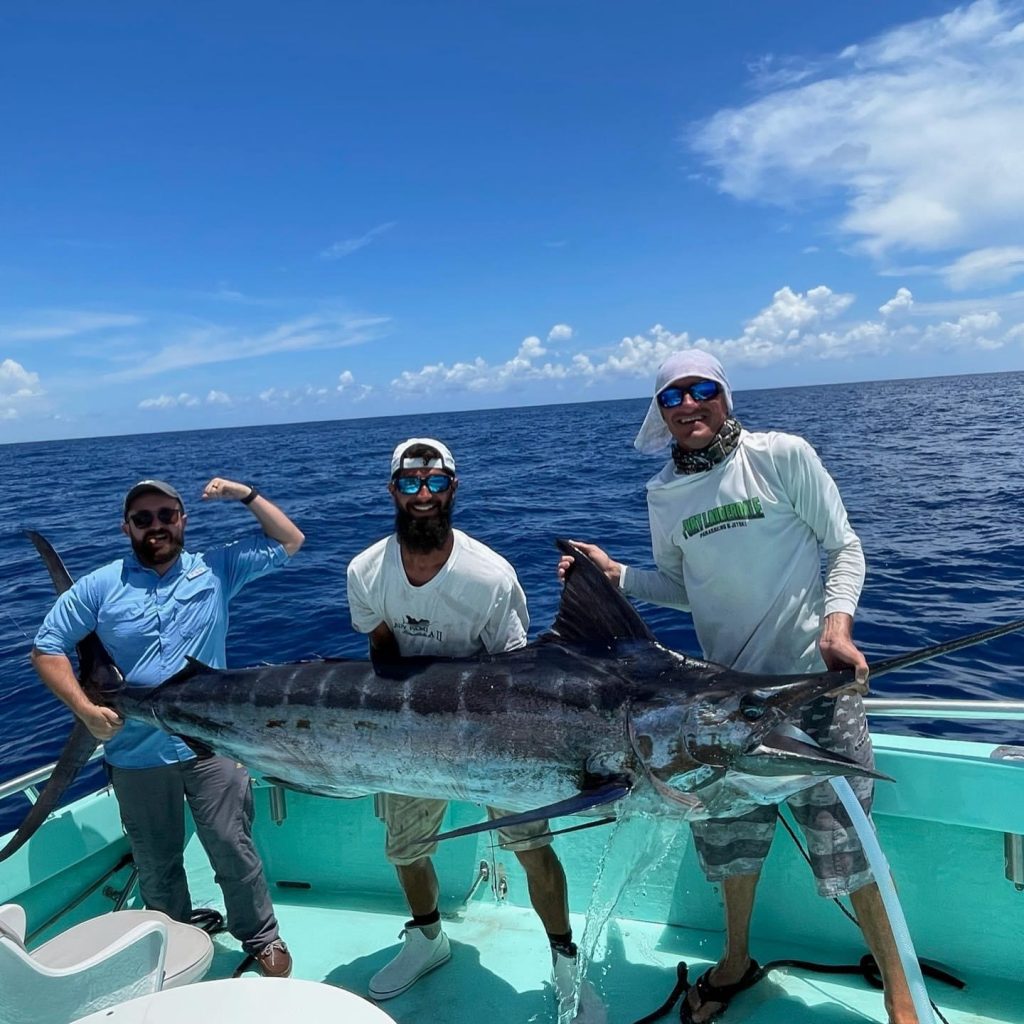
(172, 546)
(424, 535)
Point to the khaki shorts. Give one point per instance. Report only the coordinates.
(410, 819)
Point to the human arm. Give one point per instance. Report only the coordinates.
(274, 523)
(56, 671)
(663, 586)
(71, 619)
(816, 499)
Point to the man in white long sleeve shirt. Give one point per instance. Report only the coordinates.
(738, 522)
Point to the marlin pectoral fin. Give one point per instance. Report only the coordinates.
(606, 794)
(76, 753)
(781, 754)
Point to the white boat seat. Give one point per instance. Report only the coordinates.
(95, 964)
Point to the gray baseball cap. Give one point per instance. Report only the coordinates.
(151, 487)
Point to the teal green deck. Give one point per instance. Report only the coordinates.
(340, 908)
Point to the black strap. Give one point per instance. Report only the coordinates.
(867, 968)
(682, 987)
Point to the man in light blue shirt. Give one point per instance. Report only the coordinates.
(151, 610)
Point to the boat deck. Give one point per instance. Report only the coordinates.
(499, 970)
(341, 911)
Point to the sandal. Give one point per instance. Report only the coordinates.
(708, 992)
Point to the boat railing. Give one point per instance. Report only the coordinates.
(28, 783)
(937, 708)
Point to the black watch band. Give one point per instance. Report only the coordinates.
(251, 496)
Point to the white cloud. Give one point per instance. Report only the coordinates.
(530, 348)
(17, 382)
(994, 265)
(214, 397)
(347, 246)
(920, 130)
(977, 330)
(794, 327)
(17, 385)
(55, 325)
(901, 302)
(216, 344)
(294, 396)
(354, 392)
(560, 332)
(182, 401)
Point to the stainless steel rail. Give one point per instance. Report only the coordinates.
(928, 707)
(28, 782)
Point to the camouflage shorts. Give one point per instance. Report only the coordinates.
(738, 846)
(410, 819)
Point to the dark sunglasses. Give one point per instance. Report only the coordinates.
(702, 391)
(436, 484)
(140, 520)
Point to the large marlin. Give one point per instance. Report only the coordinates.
(592, 711)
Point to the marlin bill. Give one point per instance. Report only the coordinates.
(593, 711)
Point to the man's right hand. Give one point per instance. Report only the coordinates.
(607, 565)
(102, 722)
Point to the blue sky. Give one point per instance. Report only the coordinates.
(240, 213)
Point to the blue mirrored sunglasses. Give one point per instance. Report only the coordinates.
(702, 391)
(436, 483)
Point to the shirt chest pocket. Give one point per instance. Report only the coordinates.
(195, 605)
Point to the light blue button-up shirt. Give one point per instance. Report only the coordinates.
(149, 623)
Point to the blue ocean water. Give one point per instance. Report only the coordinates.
(930, 471)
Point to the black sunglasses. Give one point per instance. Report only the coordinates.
(140, 520)
(436, 483)
(702, 391)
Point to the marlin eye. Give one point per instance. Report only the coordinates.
(752, 712)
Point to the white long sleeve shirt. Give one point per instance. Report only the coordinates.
(740, 547)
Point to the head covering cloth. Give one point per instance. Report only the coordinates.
(690, 362)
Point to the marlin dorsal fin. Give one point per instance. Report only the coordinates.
(593, 612)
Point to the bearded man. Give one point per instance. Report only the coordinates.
(429, 589)
(152, 610)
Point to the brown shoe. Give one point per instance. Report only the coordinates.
(274, 960)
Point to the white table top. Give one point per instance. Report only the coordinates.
(244, 1000)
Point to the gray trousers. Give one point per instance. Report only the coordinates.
(219, 795)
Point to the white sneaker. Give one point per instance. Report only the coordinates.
(417, 957)
(577, 1004)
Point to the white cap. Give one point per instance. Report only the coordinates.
(444, 460)
(691, 362)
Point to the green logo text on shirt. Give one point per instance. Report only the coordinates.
(735, 511)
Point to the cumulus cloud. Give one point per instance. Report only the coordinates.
(347, 246)
(901, 302)
(293, 396)
(17, 385)
(560, 332)
(347, 386)
(920, 131)
(794, 327)
(180, 401)
(977, 330)
(214, 397)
